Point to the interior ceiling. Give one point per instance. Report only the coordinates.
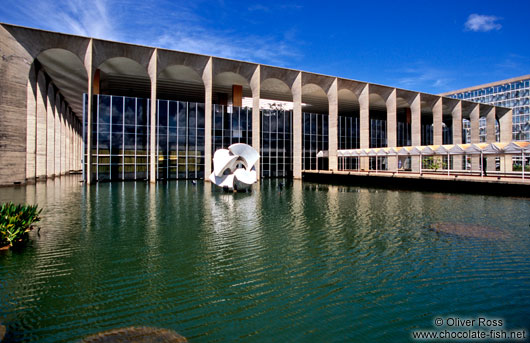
(122, 76)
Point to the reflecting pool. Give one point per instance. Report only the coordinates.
(312, 263)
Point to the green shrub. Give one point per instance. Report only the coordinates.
(518, 167)
(16, 221)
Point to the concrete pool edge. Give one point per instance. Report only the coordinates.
(426, 182)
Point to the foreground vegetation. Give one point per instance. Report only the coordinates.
(15, 223)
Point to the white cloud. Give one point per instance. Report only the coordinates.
(254, 49)
(421, 76)
(179, 28)
(77, 17)
(482, 23)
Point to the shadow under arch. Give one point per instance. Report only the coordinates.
(348, 130)
(223, 83)
(428, 103)
(122, 76)
(404, 118)
(314, 99)
(275, 89)
(315, 127)
(180, 82)
(377, 120)
(67, 72)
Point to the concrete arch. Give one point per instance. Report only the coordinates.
(353, 86)
(45, 40)
(104, 51)
(324, 82)
(223, 83)
(67, 71)
(275, 89)
(348, 102)
(345, 94)
(405, 98)
(377, 102)
(285, 75)
(315, 98)
(222, 66)
(167, 58)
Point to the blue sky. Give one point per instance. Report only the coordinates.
(428, 46)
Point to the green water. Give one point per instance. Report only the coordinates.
(313, 263)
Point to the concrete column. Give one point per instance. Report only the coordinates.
(153, 74)
(255, 85)
(41, 125)
(296, 89)
(90, 72)
(457, 133)
(71, 139)
(475, 137)
(490, 136)
(77, 146)
(506, 133)
(207, 78)
(364, 124)
(63, 138)
(391, 127)
(333, 125)
(80, 145)
(50, 128)
(31, 124)
(415, 123)
(74, 148)
(437, 122)
(68, 139)
(506, 126)
(57, 138)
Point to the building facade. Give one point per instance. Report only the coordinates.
(120, 111)
(513, 93)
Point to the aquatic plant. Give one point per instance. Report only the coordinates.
(16, 221)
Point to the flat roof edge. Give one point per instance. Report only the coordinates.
(491, 84)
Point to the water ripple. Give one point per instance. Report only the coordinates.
(312, 263)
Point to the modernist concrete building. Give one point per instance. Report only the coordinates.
(54, 87)
(513, 93)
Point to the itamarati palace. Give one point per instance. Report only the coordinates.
(118, 111)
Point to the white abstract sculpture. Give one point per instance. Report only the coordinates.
(227, 170)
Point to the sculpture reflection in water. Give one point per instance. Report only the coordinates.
(234, 168)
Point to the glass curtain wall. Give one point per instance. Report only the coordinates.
(276, 143)
(348, 139)
(515, 94)
(231, 125)
(427, 134)
(403, 134)
(378, 139)
(377, 133)
(180, 132)
(315, 139)
(120, 138)
(447, 134)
